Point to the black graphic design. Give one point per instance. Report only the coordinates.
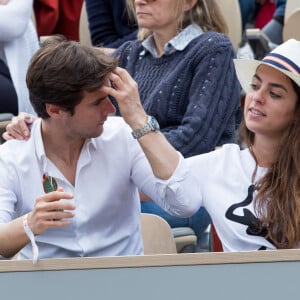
(255, 226)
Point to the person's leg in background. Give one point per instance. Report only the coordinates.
(247, 8)
(264, 13)
(58, 17)
(69, 19)
(9, 98)
(46, 16)
(273, 29)
(198, 222)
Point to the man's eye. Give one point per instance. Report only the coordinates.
(96, 103)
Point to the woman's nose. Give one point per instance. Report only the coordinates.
(259, 95)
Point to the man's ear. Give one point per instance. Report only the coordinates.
(53, 110)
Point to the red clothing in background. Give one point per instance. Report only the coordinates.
(265, 14)
(58, 17)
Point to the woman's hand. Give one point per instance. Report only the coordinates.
(19, 127)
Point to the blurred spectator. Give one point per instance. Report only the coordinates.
(18, 42)
(273, 29)
(58, 17)
(256, 12)
(264, 13)
(247, 8)
(183, 70)
(109, 23)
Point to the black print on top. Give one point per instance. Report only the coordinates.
(249, 219)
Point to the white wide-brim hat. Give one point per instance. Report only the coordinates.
(284, 58)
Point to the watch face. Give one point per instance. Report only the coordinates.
(153, 123)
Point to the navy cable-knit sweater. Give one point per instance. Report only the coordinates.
(194, 94)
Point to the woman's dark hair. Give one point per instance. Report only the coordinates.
(278, 199)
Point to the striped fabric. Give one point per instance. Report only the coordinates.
(282, 62)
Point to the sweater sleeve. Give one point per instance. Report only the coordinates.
(213, 109)
(108, 23)
(14, 18)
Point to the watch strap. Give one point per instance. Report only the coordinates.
(148, 127)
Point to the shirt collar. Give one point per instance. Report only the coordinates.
(178, 43)
(37, 136)
(39, 145)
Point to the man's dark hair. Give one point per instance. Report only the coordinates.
(61, 71)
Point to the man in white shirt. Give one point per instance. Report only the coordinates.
(72, 188)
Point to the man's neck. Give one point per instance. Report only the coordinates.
(62, 150)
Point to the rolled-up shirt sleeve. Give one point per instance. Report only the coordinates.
(175, 195)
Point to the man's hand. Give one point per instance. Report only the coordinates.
(125, 90)
(51, 212)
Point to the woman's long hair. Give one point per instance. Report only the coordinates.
(278, 199)
(205, 13)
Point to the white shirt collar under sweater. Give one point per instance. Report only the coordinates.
(178, 43)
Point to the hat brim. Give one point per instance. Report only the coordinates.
(246, 68)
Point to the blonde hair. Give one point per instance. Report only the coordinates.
(205, 13)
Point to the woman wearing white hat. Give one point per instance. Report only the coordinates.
(253, 195)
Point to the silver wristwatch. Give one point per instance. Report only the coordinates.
(151, 125)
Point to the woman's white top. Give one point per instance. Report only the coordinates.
(221, 181)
